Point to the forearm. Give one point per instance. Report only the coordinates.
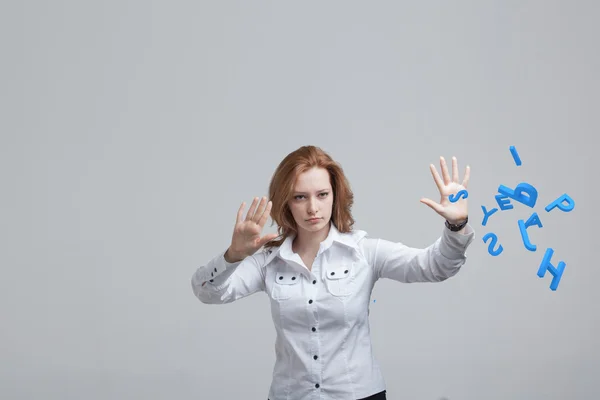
(221, 281)
(436, 263)
(210, 281)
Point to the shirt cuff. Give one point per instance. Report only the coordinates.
(453, 245)
(218, 270)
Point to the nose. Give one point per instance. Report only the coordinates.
(312, 206)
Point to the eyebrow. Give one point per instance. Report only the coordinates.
(318, 191)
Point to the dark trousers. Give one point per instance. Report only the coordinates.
(376, 396)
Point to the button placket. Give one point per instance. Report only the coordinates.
(314, 339)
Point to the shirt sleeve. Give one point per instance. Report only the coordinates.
(220, 282)
(438, 262)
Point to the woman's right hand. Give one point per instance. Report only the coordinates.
(246, 239)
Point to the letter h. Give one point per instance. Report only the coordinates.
(556, 272)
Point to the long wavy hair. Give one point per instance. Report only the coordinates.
(281, 189)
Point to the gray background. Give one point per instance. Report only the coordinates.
(132, 131)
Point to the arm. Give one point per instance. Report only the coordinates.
(221, 282)
(234, 274)
(436, 263)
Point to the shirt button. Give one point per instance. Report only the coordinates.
(314, 329)
(317, 385)
(315, 357)
(314, 282)
(310, 302)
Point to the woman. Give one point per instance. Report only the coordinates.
(319, 273)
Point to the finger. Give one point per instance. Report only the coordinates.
(436, 177)
(465, 182)
(252, 209)
(454, 170)
(445, 173)
(260, 210)
(265, 215)
(433, 205)
(240, 213)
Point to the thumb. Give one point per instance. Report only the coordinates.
(267, 238)
(433, 205)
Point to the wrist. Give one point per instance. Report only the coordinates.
(232, 257)
(457, 225)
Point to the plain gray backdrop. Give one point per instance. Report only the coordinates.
(132, 131)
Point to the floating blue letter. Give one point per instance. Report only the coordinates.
(555, 271)
(492, 244)
(515, 155)
(487, 214)
(503, 202)
(525, 236)
(534, 220)
(518, 193)
(454, 198)
(559, 203)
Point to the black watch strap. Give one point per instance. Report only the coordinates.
(457, 227)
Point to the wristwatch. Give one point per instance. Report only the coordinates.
(457, 227)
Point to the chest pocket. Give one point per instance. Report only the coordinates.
(286, 285)
(339, 278)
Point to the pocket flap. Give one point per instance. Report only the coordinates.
(287, 277)
(338, 272)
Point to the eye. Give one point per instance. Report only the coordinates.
(300, 196)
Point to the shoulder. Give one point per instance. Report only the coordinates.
(359, 237)
(361, 241)
(265, 255)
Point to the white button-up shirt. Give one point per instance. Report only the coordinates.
(323, 343)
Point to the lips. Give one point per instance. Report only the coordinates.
(313, 219)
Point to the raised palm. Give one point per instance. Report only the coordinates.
(452, 211)
(246, 239)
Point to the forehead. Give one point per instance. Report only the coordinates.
(313, 179)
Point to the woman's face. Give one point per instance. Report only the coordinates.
(312, 200)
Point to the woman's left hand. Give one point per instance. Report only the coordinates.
(453, 212)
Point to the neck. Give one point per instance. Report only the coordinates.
(306, 241)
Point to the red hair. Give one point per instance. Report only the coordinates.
(281, 190)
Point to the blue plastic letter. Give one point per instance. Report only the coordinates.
(518, 193)
(487, 214)
(534, 220)
(515, 155)
(525, 236)
(559, 203)
(503, 202)
(492, 244)
(454, 198)
(555, 271)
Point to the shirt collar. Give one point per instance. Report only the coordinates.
(349, 240)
